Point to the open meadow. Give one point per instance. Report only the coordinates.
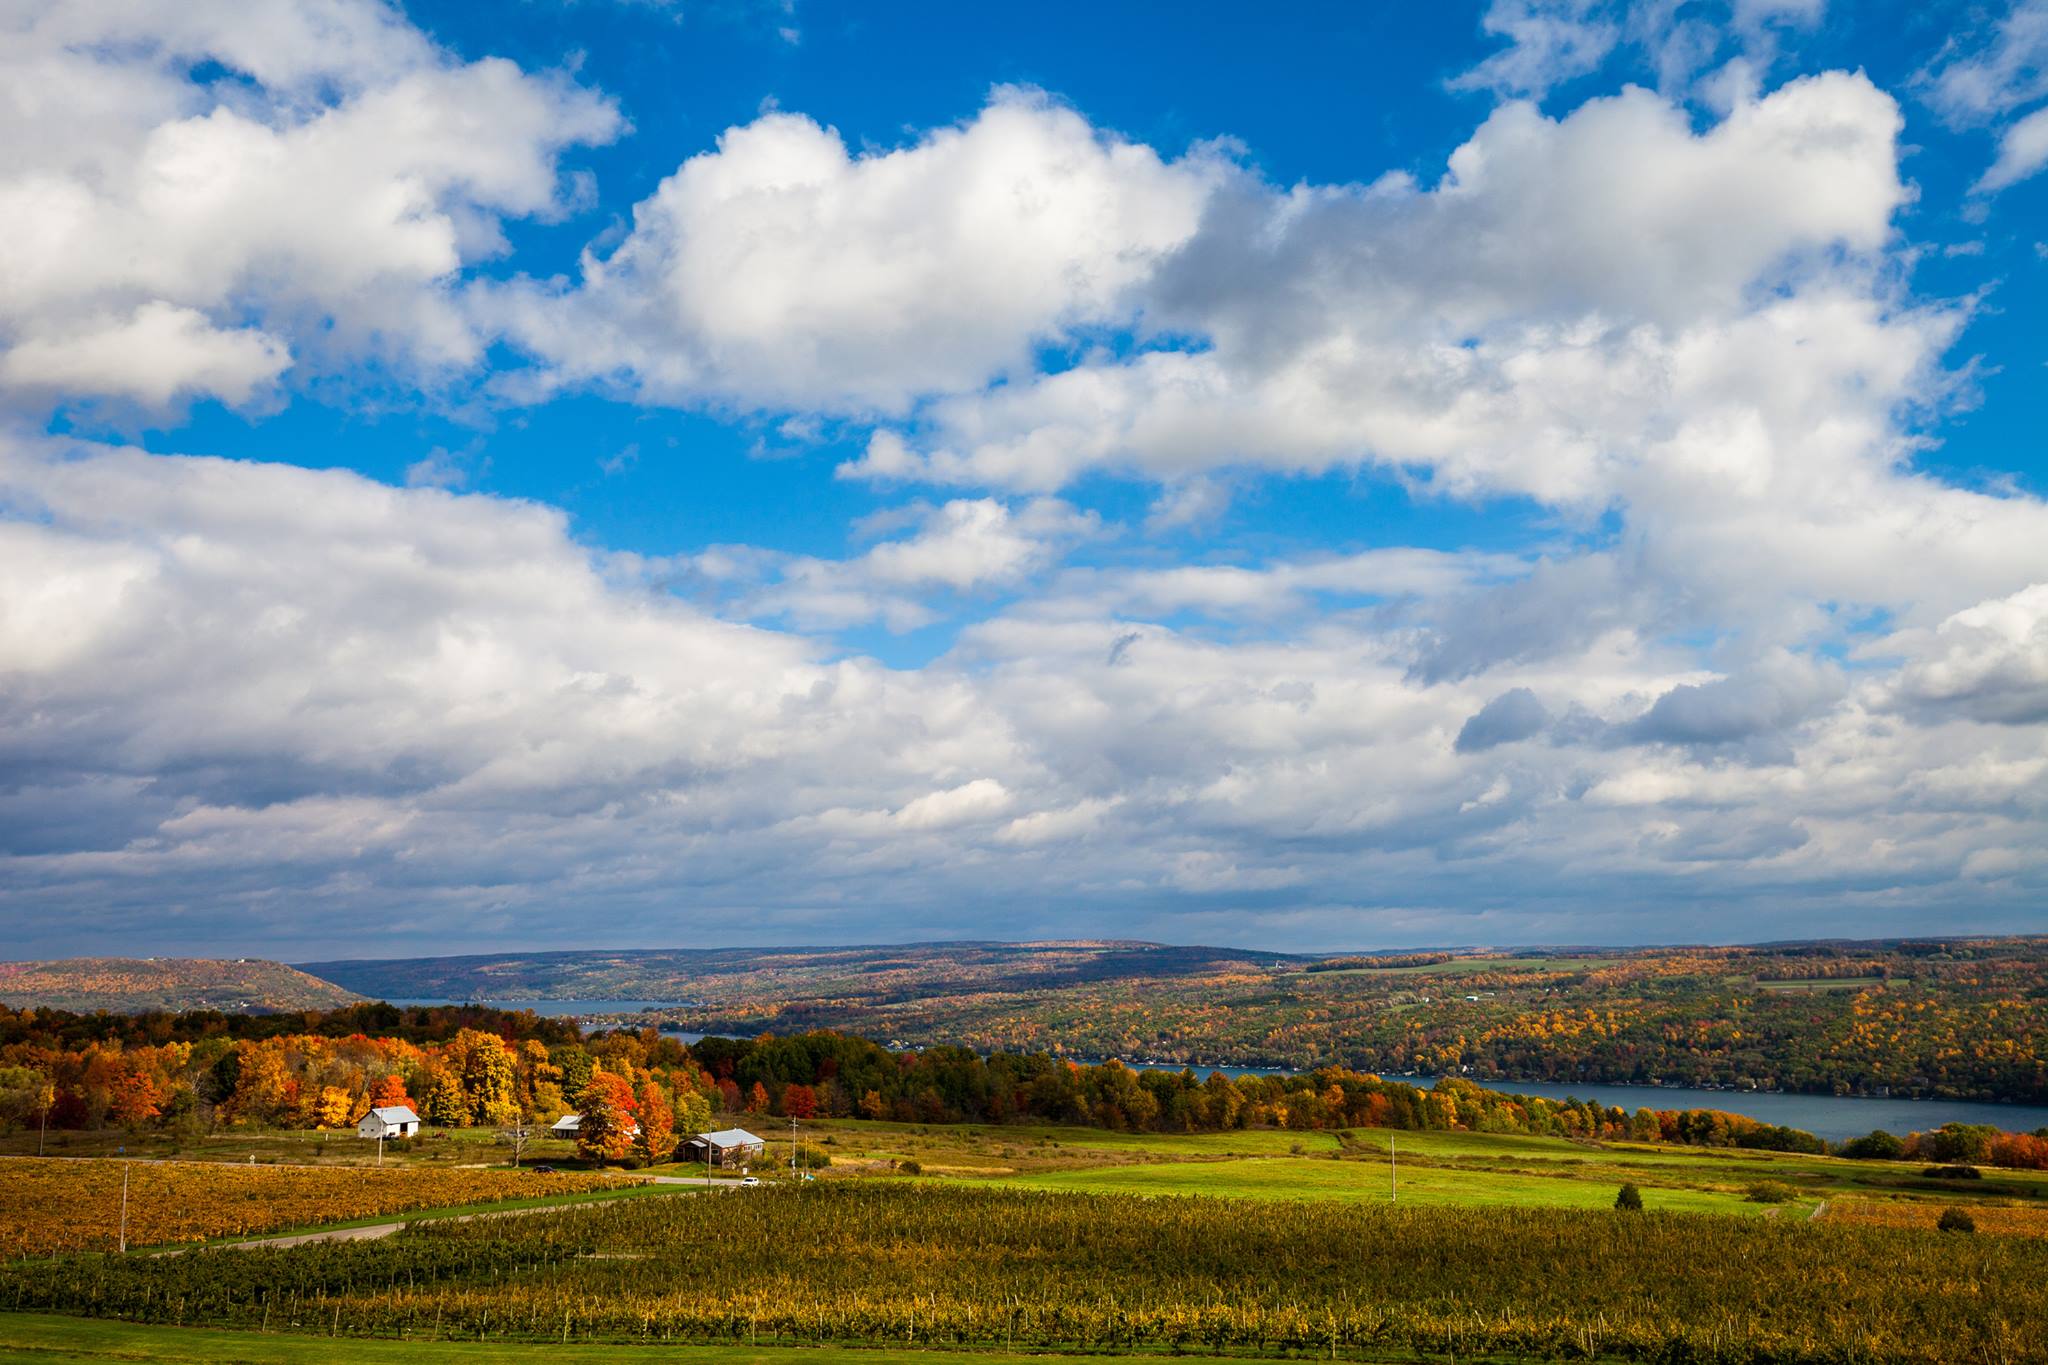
(1354, 1166)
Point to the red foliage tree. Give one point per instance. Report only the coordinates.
(799, 1102)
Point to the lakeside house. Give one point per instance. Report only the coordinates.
(726, 1147)
(390, 1121)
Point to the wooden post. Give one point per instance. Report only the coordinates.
(124, 1207)
(1393, 1167)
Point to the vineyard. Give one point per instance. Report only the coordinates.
(1992, 1219)
(60, 1206)
(908, 1266)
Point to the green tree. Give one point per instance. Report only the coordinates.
(693, 1112)
(1629, 1198)
(1956, 1220)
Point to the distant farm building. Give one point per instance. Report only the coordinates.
(569, 1125)
(726, 1147)
(391, 1121)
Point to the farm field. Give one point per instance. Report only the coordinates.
(445, 1148)
(171, 1203)
(1437, 1167)
(1484, 1169)
(898, 1265)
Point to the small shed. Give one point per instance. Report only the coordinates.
(390, 1121)
(726, 1147)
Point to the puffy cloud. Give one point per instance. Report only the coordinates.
(1524, 326)
(1514, 715)
(1771, 695)
(967, 545)
(1988, 662)
(782, 270)
(239, 702)
(158, 355)
(200, 194)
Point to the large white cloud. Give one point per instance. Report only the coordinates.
(199, 192)
(784, 270)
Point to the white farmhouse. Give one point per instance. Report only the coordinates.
(391, 1121)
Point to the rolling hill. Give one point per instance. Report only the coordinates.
(132, 985)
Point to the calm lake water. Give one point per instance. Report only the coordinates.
(1829, 1116)
(1834, 1117)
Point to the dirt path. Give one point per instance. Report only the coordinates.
(375, 1231)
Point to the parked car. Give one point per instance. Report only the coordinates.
(751, 1180)
(543, 1170)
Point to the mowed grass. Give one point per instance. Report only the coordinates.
(40, 1337)
(1454, 1168)
(1370, 1182)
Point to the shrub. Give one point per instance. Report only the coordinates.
(1629, 1198)
(1953, 1173)
(1956, 1220)
(908, 1166)
(1877, 1145)
(811, 1158)
(1771, 1192)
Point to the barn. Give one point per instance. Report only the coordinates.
(390, 1121)
(726, 1147)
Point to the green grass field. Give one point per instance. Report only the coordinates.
(1360, 1182)
(36, 1337)
(1456, 1168)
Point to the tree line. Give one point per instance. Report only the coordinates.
(640, 1091)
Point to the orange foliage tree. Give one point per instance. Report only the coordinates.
(657, 1137)
(607, 1128)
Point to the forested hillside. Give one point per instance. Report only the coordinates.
(129, 984)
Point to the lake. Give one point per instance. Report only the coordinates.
(1834, 1117)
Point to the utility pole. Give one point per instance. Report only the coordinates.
(124, 1207)
(380, 1146)
(792, 1146)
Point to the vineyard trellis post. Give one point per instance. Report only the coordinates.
(124, 1207)
(1393, 1170)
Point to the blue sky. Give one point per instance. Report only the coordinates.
(1543, 470)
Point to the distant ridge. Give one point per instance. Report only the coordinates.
(682, 974)
(132, 985)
